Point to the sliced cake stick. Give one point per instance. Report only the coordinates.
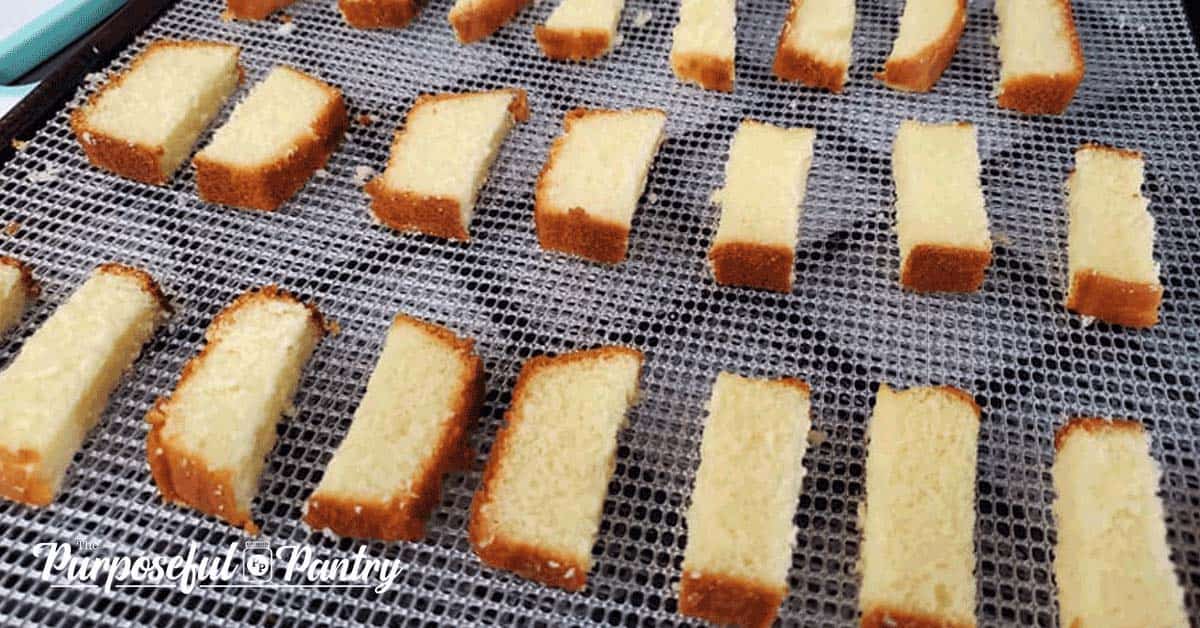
(1110, 242)
(410, 429)
(945, 245)
(1112, 563)
(1041, 61)
(815, 44)
(379, 13)
(580, 29)
(589, 188)
(17, 289)
(144, 121)
(765, 180)
(704, 42)
(538, 510)
(209, 439)
(746, 490)
(277, 137)
(918, 552)
(441, 159)
(55, 390)
(928, 37)
(474, 20)
(254, 9)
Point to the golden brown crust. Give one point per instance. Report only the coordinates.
(147, 282)
(728, 600)
(29, 285)
(753, 265)
(379, 13)
(1124, 153)
(1094, 425)
(792, 64)
(487, 18)
(574, 44)
(884, 617)
(268, 186)
(18, 478)
(132, 161)
(707, 71)
(919, 73)
(432, 215)
(404, 516)
(1046, 94)
(961, 395)
(254, 9)
(573, 230)
(528, 561)
(183, 477)
(1114, 300)
(941, 268)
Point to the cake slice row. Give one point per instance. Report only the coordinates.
(143, 123)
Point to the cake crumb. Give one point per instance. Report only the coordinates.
(362, 174)
(19, 145)
(642, 18)
(46, 175)
(817, 437)
(1001, 239)
(286, 28)
(321, 172)
(12, 228)
(332, 327)
(618, 40)
(285, 18)
(1086, 321)
(366, 119)
(226, 16)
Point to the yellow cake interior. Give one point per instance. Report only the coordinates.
(1034, 38)
(1111, 230)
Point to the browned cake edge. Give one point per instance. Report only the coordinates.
(403, 517)
(707, 71)
(379, 13)
(472, 26)
(942, 268)
(268, 186)
(183, 477)
(888, 617)
(437, 216)
(728, 600)
(573, 44)
(494, 549)
(1046, 94)
(29, 285)
(132, 161)
(792, 64)
(752, 265)
(254, 9)
(1114, 300)
(1094, 425)
(920, 72)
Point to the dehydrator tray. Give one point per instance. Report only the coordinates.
(845, 327)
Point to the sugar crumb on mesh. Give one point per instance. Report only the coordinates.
(362, 174)
(366, 119)
(286, 28)
(12, 228)
(19, 145)
(642, 18)
(46, 175)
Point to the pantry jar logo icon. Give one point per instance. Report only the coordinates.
(258, 561)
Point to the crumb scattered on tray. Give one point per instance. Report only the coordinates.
(652, 198)
(816, 437)
(366, 119)
(1001, 239)
(618, 40)
(321, 172)
(286, 28)
(226, 16)
(19, 145)
(642, 18)
(46, 175)
(12, 228)
(285, 18)
(362, 174)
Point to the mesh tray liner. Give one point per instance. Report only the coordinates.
(845, 327)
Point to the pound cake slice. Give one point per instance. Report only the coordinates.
(739, 526)
(580, 29)
(54, 391)
(474, 20)
(1110, 240)
(277, 137)
(538, 510)
(765, 181)
(209, 439)
(17, 289)
(1112, 563)
(144, 121)
(441, 159)
(410, 429)
(1041, 61)
(815, 44)
(589, 188)
(379, 13)
(928, 37)
(254, 9)
(941, 222)
(704, 43)
(918, 553)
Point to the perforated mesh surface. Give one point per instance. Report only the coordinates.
(845, 327)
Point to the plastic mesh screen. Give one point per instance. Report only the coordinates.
(846, 326)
